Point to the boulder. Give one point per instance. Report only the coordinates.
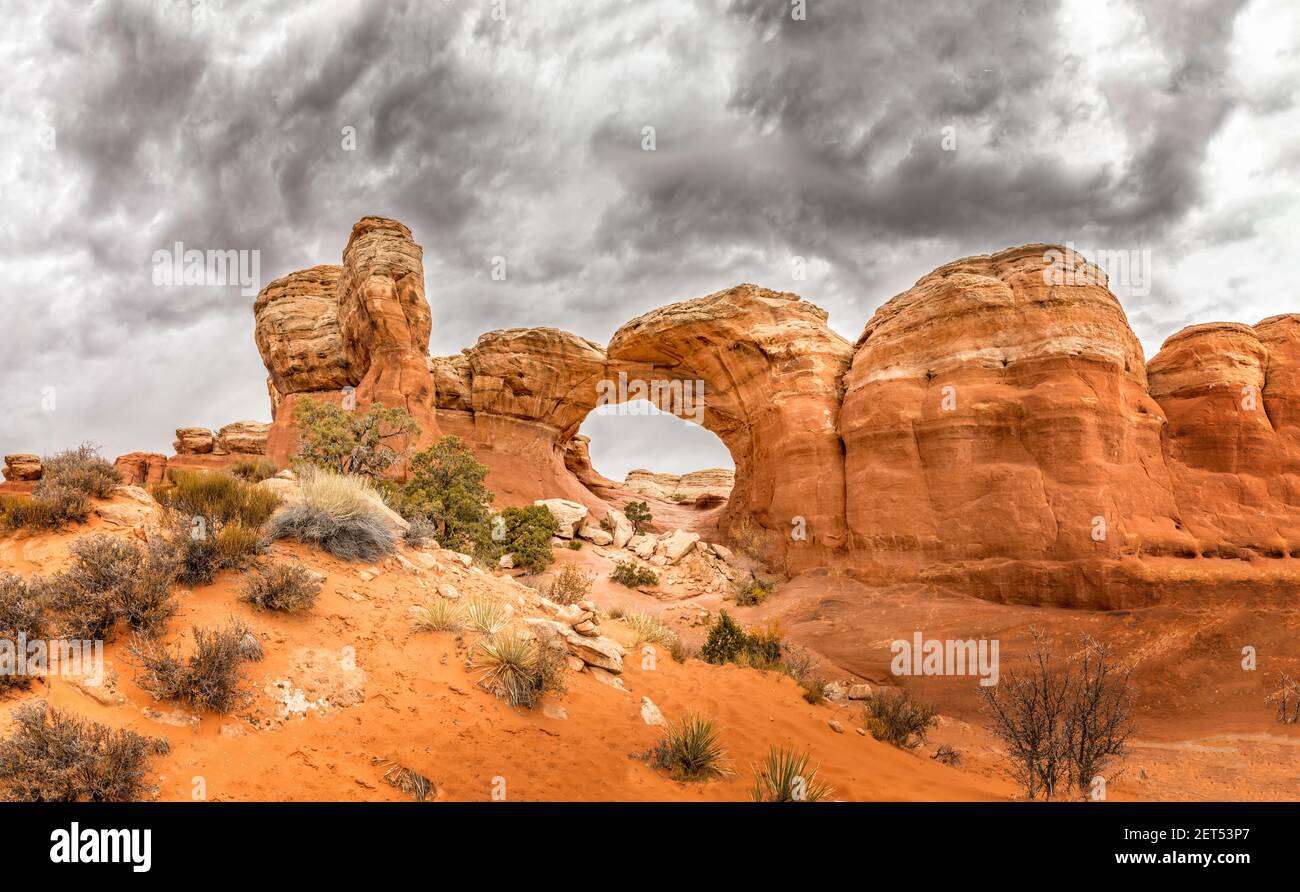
(650, 713)
(194, 441)
(243, 438)
(675, 546)
(568, 515)
(142, 468)
(596, 535)
(22, 466)
(622, 530)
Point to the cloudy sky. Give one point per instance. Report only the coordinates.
(864, 143)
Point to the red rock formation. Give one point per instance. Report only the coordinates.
(357, 333)
(22, 467)
(771, 371)
(142, 468)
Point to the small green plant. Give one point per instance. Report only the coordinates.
(638, 513)
(784, 777)
(892, 716)
(570, 586)
(690, 750)
(633, 576)
(438, 615)
(290, 588)
(575, 545)
(54, 756)
(335, 439)
(677, 497)
(726, 641)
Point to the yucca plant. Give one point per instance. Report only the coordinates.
(439, 615)
(785, 777)
(487, 616)
(690, 749)
(510, 669)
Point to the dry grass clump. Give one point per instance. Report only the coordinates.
(438, 615)
(291, 588)
(218, 498)
(690, 750)
(112, 578)
(339, 513)
(255, 470)
(570, 586)
(784, 777)
(519, 669)
(209, 678)
(54, 756)
(649, 629)
(420, 532)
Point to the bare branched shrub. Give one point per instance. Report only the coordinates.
(209, 678)
(1062, 721)
(1287, 698)
(53, 756)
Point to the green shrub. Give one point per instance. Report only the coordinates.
(209, 678)
(288, 587)
(445, 486)
(633, 576)
(528, 534)
(690, 750)
(575, 545)
(892, 716)
(639, 515)
(53, 756)
(339, 513)
(785, 777)
(570, 586)
(335, 439)
(726, 642)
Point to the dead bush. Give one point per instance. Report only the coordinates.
(287, 587)
(112, 578)
(209, 678)
(1063, 721)
(53, 756)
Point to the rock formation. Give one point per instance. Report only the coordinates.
(994, 428)
(716, 482)
(22, 467)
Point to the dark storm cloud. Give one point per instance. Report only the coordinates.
(521, 138)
